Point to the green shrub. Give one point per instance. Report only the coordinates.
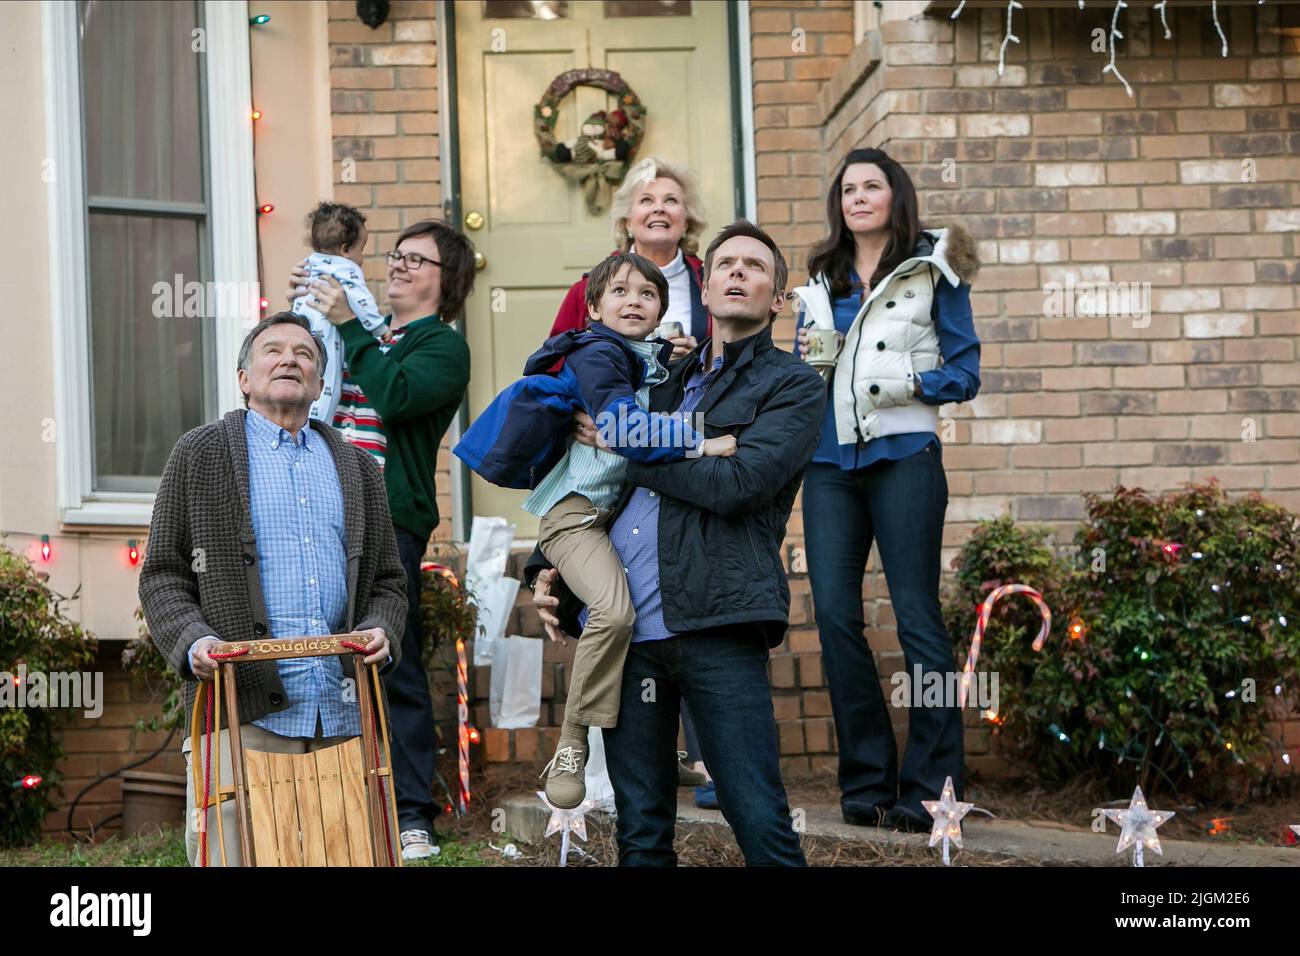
(35, 633)
(1191, 648)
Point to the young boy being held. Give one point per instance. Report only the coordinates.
(338, 237)
(608, 371)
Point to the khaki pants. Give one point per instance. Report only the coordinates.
(572, 537)
(251, 737)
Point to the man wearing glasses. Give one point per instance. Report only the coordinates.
(398, 399)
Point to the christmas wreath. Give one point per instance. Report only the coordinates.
(598, 157)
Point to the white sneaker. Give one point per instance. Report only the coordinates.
(416, 845)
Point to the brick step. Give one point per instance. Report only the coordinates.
(525, 745)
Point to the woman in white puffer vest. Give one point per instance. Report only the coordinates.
(898, 297)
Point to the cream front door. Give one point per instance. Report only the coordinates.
(533, 228)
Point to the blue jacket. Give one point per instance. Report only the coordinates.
(525, 430)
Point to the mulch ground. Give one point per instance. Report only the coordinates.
(1264, 823)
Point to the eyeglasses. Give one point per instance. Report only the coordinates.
(412, 260)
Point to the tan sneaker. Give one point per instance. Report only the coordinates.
(566, 784)
(686, 776)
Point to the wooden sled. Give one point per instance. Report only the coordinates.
(333, 807)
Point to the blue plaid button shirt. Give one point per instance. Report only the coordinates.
(297, 505)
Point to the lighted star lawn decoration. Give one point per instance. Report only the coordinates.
(947, 812)
(1138, 826)
(565, 822)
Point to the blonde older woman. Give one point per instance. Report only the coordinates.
(656, 213)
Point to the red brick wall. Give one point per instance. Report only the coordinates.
(109, 743)
(1058, 171)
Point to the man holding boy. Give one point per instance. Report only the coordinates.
(700, 540)
(608, 371)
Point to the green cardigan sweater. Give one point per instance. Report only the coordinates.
(416, 388)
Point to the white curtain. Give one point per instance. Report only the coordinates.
(142, 113)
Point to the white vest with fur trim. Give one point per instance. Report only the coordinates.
(891, 341)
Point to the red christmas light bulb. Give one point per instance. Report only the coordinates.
(132, 552)
(45, 547)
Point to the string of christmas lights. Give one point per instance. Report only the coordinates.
(263, 208)
(1009, 37)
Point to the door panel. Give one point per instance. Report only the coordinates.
(537, 236)
(518, 199)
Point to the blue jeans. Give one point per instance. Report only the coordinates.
(722, 675)
(900, 505)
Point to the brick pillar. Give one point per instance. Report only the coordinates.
(384, 110)
(796, 46)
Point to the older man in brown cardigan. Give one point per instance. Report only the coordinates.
(203, 580)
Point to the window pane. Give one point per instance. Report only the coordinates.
(525, 9)
(147, 369)
(647, 8)
(141, 104)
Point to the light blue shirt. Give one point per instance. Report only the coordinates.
(297, 512)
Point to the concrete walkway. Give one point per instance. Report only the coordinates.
(1051, 843)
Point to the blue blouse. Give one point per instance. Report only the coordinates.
(957, 380)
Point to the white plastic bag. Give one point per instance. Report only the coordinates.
(599, 789)
(515, 699)
(485, 568)
(495, 600)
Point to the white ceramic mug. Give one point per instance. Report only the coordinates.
(823, 347)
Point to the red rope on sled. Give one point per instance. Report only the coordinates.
(207, 779)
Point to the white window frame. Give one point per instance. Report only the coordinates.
(746, 80)
(232, 225)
